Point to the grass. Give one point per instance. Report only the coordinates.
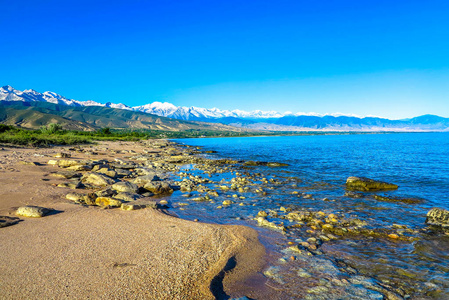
(53, 134)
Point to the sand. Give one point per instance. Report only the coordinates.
(94, 253)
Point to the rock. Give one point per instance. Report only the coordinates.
(8, 221)
(32, 211)
(108, 192)
(262, 214)
(107, 201)
(227, 202)
(398, 199)
(97, 179)
(71, 185)
(122, 172)
(130, 206)
(261, 221)
(100, 165)
(125, 187)
(52, 162)
(67, 163)
(139, 204)
(89, 199)
(62, 155)
(146, 179)
(67, 174)
(438, 217)
(262, 163)
(79, 168)
(158, 187)
(393, 236)
(276, 164)
(108, 172)
(367, 184)
(76, 197)
(327, 227)
(127, 196)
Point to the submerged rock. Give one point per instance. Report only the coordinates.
(398, 199)
(367, 184)
(262, 163)
(32, 211)
(438, 217)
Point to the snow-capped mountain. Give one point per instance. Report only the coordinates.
(164, 109)
(8, 93)
(196, 113)
(261, 120)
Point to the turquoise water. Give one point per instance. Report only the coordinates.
(319, 165)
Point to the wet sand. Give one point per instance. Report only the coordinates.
(89, 252)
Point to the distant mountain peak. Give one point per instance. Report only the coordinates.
(257, 119)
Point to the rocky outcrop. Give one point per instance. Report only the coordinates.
(367, 184)
(438, 217)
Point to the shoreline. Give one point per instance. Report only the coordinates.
(86, 251)
(304, 252)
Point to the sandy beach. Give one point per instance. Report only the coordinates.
(88, 252)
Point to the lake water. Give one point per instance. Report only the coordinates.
(318, 166)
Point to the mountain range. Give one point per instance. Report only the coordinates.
(257, 120)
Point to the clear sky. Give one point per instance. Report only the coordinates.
(384, 58)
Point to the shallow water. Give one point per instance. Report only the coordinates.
(318, 167)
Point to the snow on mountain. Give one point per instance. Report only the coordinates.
(8, 93)
(264, 120)
(165, 109)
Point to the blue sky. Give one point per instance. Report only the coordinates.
(385, 58)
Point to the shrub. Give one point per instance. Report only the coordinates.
(51, 128)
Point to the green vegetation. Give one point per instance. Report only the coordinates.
(54, 134)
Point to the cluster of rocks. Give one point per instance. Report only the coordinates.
(128, 184)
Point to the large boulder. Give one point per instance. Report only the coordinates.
(438, 217)
(367, 184)
(97, 179)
